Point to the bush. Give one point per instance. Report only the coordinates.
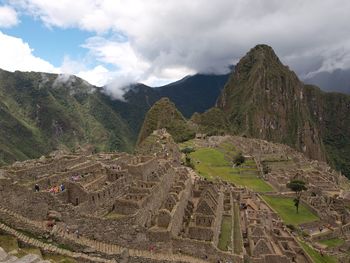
(291, 227)
(188, 162)
(266, 168)
(238, 159)
(187, 150)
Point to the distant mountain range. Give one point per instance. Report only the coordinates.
(336, 81)
(265, 99)
(41, 112)
(262, 98)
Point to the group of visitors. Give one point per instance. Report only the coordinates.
(75, 178)
(57, 189)
(53, 189)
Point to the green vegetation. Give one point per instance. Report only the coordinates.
(333, 242)
(187, 150)
(8, 243)
(43, 112)
(59, 258)
(298, 187)
(225, 239)
(316, 256)
(237, 235)
(163, 114)
(238, 159)
(284, 207)
(211, 122)
(211, 163)
(25, 251)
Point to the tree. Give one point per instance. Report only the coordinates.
(187, 150)
(238, 159)
(266, 168)
(188, 160)
(297, 186)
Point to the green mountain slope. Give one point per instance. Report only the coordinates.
(163, 114)
(264, 99)
(39, 112)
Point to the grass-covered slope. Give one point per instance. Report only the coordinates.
(39, 112)
(212, 163)
(163, 114)
(286, 210)
(211, 122)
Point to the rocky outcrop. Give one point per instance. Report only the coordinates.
(264, 99)
(331, 111)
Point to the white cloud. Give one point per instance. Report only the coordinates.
(98, 76)
(201, 35)
(8, 17)
(15, 54)
(119, 54)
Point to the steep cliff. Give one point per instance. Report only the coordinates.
(264, 99)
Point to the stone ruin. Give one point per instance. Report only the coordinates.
(119, 207)
(328, 194)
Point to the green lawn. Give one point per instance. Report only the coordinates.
(333, 242)
(316, 256)
(237, 235)
(211, 163)
(286, 210)
(226, 233)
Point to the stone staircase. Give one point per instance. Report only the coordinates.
(98, 246)
(49, 247)
(22, 219)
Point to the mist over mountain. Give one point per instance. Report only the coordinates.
(261, 98)
(335, 81)
(41, 112)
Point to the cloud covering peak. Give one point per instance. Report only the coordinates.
(157, 42)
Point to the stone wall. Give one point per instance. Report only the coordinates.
(156, 198)
(179, 209)
(203, 250)
(142, 171)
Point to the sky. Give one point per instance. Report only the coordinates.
(117, 42)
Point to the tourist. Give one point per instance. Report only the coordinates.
(62, 187)
(37, 188)
(77, 233)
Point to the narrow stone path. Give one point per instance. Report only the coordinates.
(49, 247)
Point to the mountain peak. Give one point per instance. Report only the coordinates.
(263, 49)
(260, 57)
(264, 99)
(164, 114)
